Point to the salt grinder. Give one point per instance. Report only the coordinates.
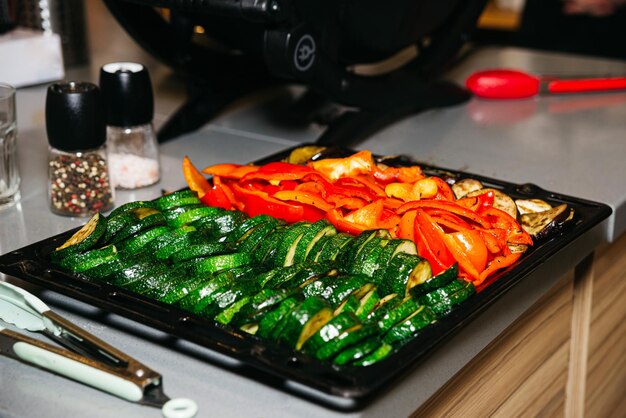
(131, 140)
(78, 174)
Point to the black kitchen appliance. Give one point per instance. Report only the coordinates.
(247, 45)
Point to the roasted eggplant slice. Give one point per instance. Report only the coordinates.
(301, 155)
(541, 225)
(466, 186)
(532, 206)
(501, 200)
(518, 248)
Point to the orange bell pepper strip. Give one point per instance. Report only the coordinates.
(371, 185)
(334, 168)
(469, 250)
(371, 216)
(346, 202)
(305, 198)
(392, 203)
(231, 171)
(498, 263)
(407, 225)
(336, 218)
(311, 187)
(409, 174)
(368, 216)
(194, 178)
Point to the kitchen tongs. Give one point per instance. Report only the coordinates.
(85, 358)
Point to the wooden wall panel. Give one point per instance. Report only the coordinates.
(521, 373)
(606, 366)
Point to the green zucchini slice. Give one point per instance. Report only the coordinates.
(136, 243)
(332, 329)
(188, 215)
(84, 239)
(270, 321)
(304, 321)
(403, 273)
(127, 207)
(80, 262)
(189, 252)
(347, 338)
(453, 299)
(140, 219)
(396, 314)
(175, 199)
(221, 262)
(435, 282)
(382, 352)
(407, 328)
(311, 237)
(357, 351)
(219, 224)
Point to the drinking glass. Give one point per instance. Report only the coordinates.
(9, 175)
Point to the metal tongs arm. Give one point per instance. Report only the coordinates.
(86, 358)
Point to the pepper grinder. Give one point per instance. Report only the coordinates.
(131, 140)
(78, 172)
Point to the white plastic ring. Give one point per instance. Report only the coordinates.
(179, 408)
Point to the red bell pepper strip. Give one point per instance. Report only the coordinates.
(278, 171)
(477, 203)
(502, 220)
(220, 195)
(445, 205)
(350, 190)
(370, 185)
(392, 203)
(495, 239)
(430, 244)
(390, 221)
(257, 202)
(449, 220)
(444, 190)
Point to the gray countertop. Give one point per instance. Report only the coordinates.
(572, 145)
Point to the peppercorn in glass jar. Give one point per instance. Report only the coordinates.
(78, 173)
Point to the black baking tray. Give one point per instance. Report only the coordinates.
(344, 388)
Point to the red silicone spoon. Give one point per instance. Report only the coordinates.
(514, 84)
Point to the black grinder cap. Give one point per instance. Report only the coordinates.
(127, 94)
(74, 116)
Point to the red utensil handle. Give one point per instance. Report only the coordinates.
(587, 85)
